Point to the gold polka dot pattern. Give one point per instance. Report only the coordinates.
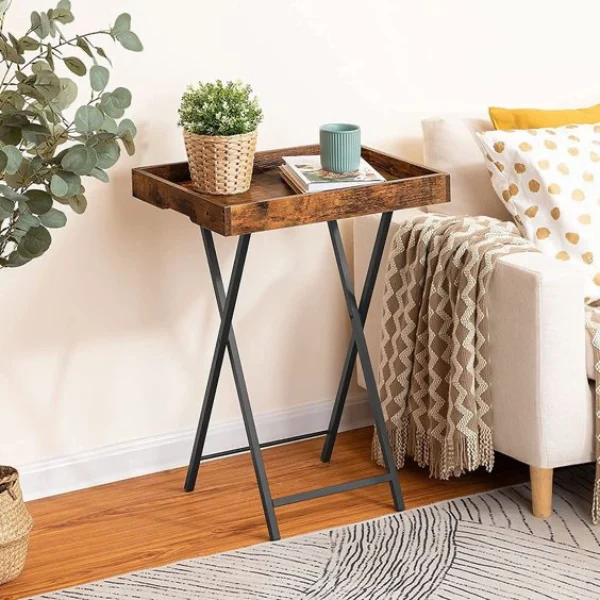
(549, 180)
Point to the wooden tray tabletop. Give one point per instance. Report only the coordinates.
(271, 203)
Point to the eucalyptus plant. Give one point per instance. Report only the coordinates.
(47, 144)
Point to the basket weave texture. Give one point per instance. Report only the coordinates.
(221, 164)
(15, 526)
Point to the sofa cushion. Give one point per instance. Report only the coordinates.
(548, 180)
(535, 118)
(450, 146)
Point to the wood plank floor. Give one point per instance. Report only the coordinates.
(149, 521)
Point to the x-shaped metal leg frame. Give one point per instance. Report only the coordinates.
(226, 341)
(358, 345)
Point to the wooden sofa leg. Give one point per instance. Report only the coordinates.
(541, 491)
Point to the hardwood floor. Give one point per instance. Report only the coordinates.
(149, 521)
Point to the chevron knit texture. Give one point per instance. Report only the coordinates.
(434, 358)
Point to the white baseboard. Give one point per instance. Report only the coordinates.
(159, 453)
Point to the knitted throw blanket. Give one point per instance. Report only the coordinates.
(434, 348)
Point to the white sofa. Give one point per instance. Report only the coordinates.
(543, 404)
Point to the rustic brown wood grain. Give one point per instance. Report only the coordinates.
(149, 521)
(271, 204)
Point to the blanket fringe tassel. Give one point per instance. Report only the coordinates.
(449, 459)
(596, 503)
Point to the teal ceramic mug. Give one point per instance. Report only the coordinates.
(340, 147)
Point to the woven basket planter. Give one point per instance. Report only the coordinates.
(221, 164)
(15, 526)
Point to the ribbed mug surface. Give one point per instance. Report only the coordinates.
(340, 147)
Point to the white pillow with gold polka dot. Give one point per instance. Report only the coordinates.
(549, 180)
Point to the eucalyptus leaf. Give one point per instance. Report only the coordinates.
(122, 97)
(15, 42)
(36, 21)
(39, 201)
(64, 184)
(50, 56)
(44, 29)
(84, 45)
(14, 159)
(67, 94)
(47, 84)
(110, 106)
(75, 65)
(10, 54)
(66, 4)
(28, 43)
(53, 218)
(30, 92)
(7, 208)
(108, 154)
(78, 203)
(122, 24)
(80, 160)
(109, 125)
(103, 54)
(63, 15)
(25, 222)
(88, 118)
(3, 161)
(130, 41)
(35, 128)
(99, 138)
(10, 99)
(35, 242)
(10, 136)
(9, 193)
(128, 143)
(127, 125)
(14, 260)
(100, 175)
(40, 65)
(99, 77)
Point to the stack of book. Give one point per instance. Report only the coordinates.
(304, 174)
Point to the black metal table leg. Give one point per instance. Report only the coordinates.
(242, 391)
(358, 335)
(217, 362)
(365, 302)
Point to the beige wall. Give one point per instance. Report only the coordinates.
(108, 337)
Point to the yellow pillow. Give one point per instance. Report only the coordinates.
(534, 118)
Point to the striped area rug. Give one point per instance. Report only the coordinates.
(481, 547)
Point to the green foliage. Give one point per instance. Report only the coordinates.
(219, 109)
(48, 145)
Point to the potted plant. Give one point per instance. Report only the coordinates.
(15, 526)
(219, 122)
(47, 146)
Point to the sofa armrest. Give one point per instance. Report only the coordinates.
(542, 404)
